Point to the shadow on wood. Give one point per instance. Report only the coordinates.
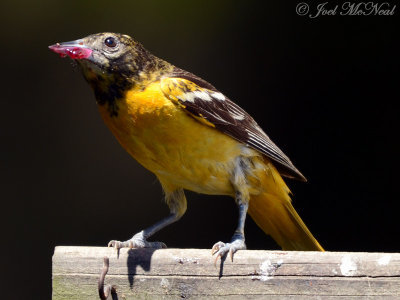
(138, 258)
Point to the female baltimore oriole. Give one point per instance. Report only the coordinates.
(190, 136)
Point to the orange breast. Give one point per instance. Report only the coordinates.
(172, 144)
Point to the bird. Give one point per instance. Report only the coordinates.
(192, 137)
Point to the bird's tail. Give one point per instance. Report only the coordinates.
(273, 212)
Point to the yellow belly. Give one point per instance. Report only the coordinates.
(172, 144)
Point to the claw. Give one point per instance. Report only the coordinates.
(216, 260)
(115, 244)
(130, 244)
(231, 253)
(222, 249)
(216, 247)
(111, 243)
(163, 245)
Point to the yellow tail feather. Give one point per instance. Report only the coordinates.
(273, 212)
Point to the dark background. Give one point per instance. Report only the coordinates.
(324, 89)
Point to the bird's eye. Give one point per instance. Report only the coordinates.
(110, 42)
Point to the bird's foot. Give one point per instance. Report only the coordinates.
(222, 249)
(137, 241)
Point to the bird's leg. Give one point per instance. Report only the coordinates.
(237, 241)
(139, 240)
(177, 203)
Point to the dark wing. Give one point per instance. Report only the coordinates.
(203, 101)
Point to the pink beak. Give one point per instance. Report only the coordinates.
(75, 49)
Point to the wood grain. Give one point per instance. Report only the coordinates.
(255, 274)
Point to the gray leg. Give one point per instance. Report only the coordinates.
(177, 203)
(139, 240)
(238, 240)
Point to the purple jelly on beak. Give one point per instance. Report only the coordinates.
(75, 50)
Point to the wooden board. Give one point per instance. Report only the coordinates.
(191, 273)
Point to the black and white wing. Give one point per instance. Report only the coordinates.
(203, 101)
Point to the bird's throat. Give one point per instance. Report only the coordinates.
(110, 93)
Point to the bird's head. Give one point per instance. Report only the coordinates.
(113, 63)
(105, 54)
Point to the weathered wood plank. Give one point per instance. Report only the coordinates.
(190, 273)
